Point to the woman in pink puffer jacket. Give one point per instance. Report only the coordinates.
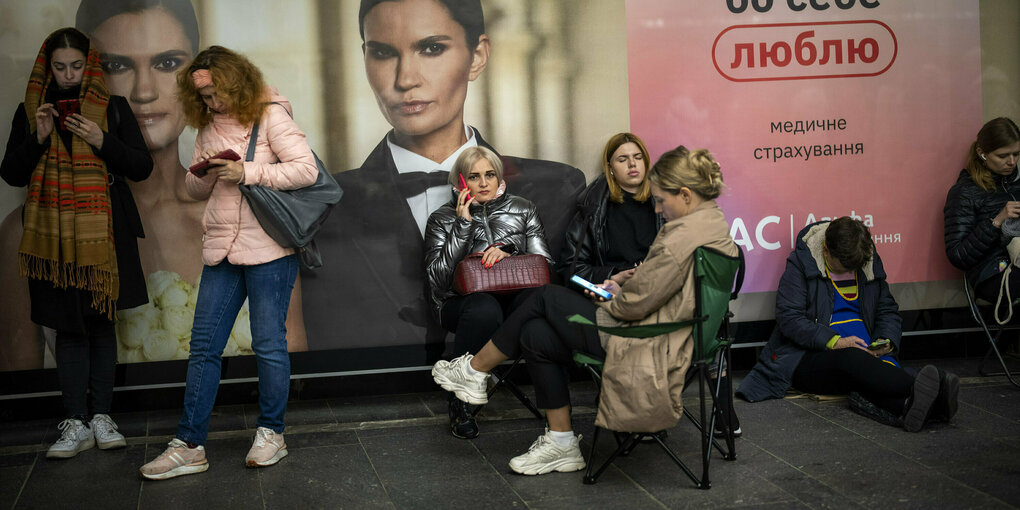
(223, 95)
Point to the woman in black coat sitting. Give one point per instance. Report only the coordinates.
(983, 207)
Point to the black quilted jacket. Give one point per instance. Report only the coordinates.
(973, 244)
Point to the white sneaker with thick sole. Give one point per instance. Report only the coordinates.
(105, 430)
(267, 449)
(545, 456)
(75, 437)
(453, 376)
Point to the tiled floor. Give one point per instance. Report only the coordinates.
(395, 452)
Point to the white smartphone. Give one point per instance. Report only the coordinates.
(591, 286)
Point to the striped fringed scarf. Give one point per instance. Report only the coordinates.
(68, 237)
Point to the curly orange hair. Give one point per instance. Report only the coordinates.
(238, 83)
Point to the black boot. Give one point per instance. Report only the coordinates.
(922, 398)
(864, 407)
(726, 413)
(462, 421)
(946, 404)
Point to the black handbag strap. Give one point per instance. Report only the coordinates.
(250, 156)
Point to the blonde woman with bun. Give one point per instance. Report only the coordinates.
(684, 186)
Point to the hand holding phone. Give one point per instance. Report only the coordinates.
(202, 167)
(65, 108)
(879, 344)
(464, 186)
(598, 291)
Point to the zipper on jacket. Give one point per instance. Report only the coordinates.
(485, 224)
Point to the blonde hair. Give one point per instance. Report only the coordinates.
(680, 168)
(615, 191)
(467, 159)
(236, 79)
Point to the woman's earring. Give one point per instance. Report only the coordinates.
(983, 157)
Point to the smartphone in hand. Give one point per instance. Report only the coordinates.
(66, 108)
(878, 345)
(464, 186)
(599, 291)
(202, 167)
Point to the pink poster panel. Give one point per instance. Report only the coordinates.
(816, 109)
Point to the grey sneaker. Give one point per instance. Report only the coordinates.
(176, 460)
(453, 376)
(545, 456)
(74, 437)
(106, 433)
(267, 449)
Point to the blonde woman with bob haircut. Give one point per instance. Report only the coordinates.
(684, 187)
(223, 95)
(480, 217)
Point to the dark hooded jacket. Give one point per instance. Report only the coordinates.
(803, 312)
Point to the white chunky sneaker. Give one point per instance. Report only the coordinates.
(545, 456)
(106, 433)
(74, 437)
(267, 449)
(176, 460)
(453, 376)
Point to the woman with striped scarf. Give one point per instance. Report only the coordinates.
(73, 144)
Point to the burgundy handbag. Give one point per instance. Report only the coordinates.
(508, 275)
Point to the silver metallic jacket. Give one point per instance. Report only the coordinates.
(506, 219)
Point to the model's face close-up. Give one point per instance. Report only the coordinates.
(141, 52)
(1003, 160)
(482, 181)
(419, 65)
(628, 166)
(68, 67)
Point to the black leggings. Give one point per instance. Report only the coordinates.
(475, 317)
(86, 364)
(841, 371)
(539, 330)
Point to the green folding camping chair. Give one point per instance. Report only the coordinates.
(717, 280)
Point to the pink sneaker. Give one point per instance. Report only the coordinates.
(267, 449)
(176, 460)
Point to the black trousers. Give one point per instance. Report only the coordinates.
(538, 329)
(475, 317)
(841, 371)
(86, 364)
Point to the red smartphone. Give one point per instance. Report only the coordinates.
(464, 186)
(202, 167)
(66, 107)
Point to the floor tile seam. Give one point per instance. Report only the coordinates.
(24, 481)
(378, 477)
(492, 466)
(989, 412)
(638, 486)
(931, 469)
(802, 472)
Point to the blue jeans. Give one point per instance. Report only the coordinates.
(220, 296)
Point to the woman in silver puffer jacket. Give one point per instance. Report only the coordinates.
(481, 217)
